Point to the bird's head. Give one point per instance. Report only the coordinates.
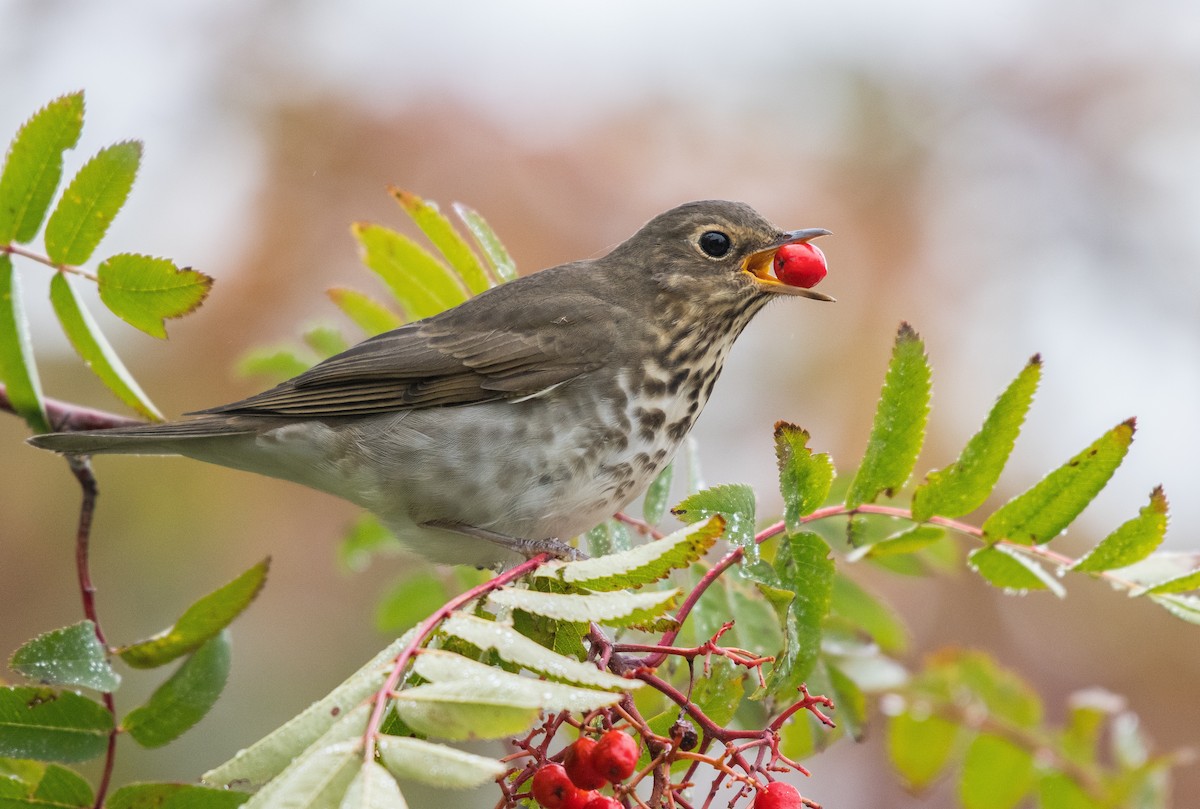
(716, 245)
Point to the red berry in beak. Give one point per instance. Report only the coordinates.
(800, 264)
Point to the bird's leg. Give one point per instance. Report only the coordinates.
(526, 547)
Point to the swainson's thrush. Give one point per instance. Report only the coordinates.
(519, 418)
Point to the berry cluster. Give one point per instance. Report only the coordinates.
(587, 766)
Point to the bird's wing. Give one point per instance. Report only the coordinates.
(480, 351)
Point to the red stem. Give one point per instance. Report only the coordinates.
(68, 417)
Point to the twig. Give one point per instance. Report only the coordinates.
(68, 417)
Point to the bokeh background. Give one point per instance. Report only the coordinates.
(1010, 176)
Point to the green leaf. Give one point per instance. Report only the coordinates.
(34, 166)
(608, 537)
(445, 238)
(184, 698)
(654, 504)
(62, 787)
(267, 757)
(503, 267)
(421, 284)
(94, 349)
(735, 503)
(17, 369)
(1002, 692)
(326, 341)
(174, 796)
(373, 788)
(200, 622)
(996, 774)
(365, 538)
(805, 568)
(899, 427)
(804, 478)
(48, 725)
(865, 611)
(1044, 511)
(963, 486)
(1133, 541)
(920, 748)
(613, 609)
(72, 655)
(144, 291)
(1179, 584)
(275, 363)
(719, 693)
(90, 202)
(370, 315)
(910, 540)
(409, 602)
(513, 647)
(436, 764)
(1004, 567)
(639, 565)
(1057, 791)
(318, 779)
(458, 712)
(850, 700)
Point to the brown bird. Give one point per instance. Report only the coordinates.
(520, 418)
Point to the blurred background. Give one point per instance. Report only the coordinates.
(1010, 176)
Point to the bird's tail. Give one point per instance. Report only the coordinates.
(171, 438)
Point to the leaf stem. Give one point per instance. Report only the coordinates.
(69, 417)
(13, 250)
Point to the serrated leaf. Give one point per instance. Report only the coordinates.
(503, 267)
(186, 696)
(72, 655)
(421, 284)
(436, 764)
(438, 229)
(867, 612)
(17, 369)
(804, 478)
(805, 568)
(264, 759)
(1184, 607)
(275, 363)
(1133, 541)
(92, 199)
(49, 725)
(920, 748)
(1004, 567)
(144, 291)
(608, 537)
(910, 540)
(1179, 584)
(899, 427)
(34, 166)
(654, 504)
(373, 788)
(94, 349)
(59, 787)
(732, 501)
(325, 341)
(618, 608)
(757, 628)
(1044, 511)
(1057, 791)
(174, 796)
(370, 315)
(963, 486)
(459, 712)
(639, 565)
(409, 602)
(515, 648)
(318, 779)
(996, 774)
(200, 622)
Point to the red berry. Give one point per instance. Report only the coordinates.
(603, 802)
(553, 789)
(800, 265)
(578, 762)
(579, 799)
(778, 795)
(615, 756)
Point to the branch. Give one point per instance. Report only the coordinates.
(67, 417)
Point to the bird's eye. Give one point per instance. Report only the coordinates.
(714, 243)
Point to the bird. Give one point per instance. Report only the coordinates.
(508, 425)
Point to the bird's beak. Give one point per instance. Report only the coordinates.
(760, 265)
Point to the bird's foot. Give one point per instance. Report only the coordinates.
(528, 548)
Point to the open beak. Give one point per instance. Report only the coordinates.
(760, 265)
